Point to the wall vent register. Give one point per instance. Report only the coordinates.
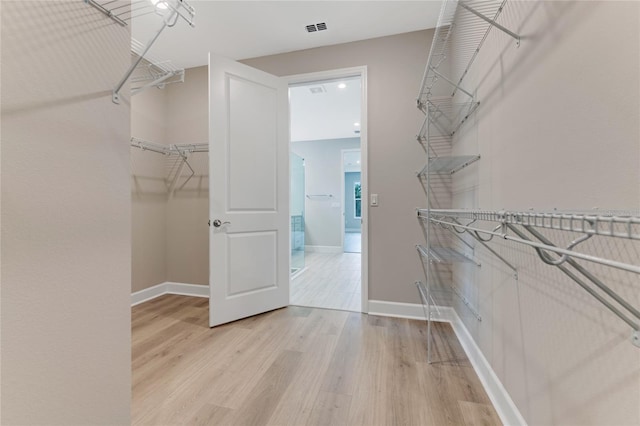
(321, 26)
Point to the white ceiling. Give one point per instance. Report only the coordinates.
(244, 29)
(330, 114)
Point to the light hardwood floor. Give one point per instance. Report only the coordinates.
(297, 366)
(330, 281)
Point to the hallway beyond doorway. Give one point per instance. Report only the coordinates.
(329, 281)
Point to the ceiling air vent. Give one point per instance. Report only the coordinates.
(317, 89)
(316, 27)
(357, 132)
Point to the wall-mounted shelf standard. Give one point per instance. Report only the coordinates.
(467, 24)
(181, 154)
(168, 12)
(511, 226)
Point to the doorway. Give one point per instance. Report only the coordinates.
(327, 117)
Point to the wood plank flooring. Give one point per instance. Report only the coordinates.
(330, 280)
(297, 366)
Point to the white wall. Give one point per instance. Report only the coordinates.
(66, 217)
(558, 127)
(323, 175)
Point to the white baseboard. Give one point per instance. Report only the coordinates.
(408, 310)
(323, 249)
(188, 289)
(169, 288)
(148, 293)
(504, 405)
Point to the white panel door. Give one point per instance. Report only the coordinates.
(249, 191)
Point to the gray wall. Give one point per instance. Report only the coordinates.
(66, 217)
(323, 168)
(350, 222)
(148, 191)
(170, 235)
(395, 66)
(188, 210)
(558, 127)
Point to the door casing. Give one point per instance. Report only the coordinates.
(336, 74)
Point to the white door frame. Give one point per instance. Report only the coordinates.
(364, 180)
(343, 193)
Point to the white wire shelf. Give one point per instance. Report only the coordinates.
(621, 224)
(122, 12)
(522, 228)
(448, 164)
(145, 72)
(151, 71)
(174, 149)
(469, 23)
(444, 255)
(178, 156)
(444, 117)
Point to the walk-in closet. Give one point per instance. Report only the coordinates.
(187, 241)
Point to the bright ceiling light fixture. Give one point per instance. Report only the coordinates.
(160, 4)
(342, 86)
(356, 124)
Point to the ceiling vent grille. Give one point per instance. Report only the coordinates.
(316, 27)
(317, 89)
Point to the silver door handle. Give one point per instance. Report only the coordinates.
(217, 223)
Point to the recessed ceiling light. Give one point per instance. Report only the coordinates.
(342, 86)
(356, 124)
(358, 162)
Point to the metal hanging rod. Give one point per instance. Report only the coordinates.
(319, 196)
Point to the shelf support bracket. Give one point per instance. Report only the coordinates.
(496, 254)
(491, 21)
(116, 92)
(457, 86)
(635, 336)
(156, 82)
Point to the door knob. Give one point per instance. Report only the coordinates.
(217, 223)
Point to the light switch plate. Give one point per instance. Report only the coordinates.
(374, 200)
